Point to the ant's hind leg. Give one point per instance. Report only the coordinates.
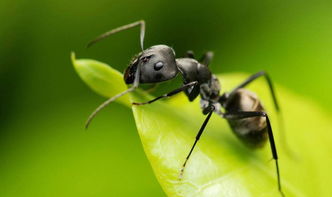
(281, 124)
(251, 79)
(248, 114)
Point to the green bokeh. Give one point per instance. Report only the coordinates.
(44, 149)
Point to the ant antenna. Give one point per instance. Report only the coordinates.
(137, 74)
(107, 102)
(116, 30)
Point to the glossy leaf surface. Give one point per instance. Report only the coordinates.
(221, 165)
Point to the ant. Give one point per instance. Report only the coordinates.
(241, 108)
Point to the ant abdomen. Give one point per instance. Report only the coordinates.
(250, 130)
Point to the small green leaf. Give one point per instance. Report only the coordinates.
(220, 164)
(101, 78)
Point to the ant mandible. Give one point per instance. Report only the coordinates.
(242, 109)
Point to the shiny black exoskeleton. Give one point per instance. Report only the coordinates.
(240, 107)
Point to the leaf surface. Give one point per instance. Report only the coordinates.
(220, 164)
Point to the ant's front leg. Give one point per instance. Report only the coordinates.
(176, 91)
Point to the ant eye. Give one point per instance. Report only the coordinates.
(158, 65)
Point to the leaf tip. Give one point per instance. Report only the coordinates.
(73, 57)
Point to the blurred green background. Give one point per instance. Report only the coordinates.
(44, 150)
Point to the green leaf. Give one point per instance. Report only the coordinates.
(220, 164)
(101, 78)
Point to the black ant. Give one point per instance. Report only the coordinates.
(241, 108)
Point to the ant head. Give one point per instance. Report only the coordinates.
(156, 64)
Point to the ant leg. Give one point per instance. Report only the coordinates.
(206, 58)
(190, 54)
(252, 78)
(248, 114)
(196, 140)
(125, 27)
(176, 91)
(276, 105)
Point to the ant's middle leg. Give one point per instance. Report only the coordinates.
(176, 91)
(196, 139)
